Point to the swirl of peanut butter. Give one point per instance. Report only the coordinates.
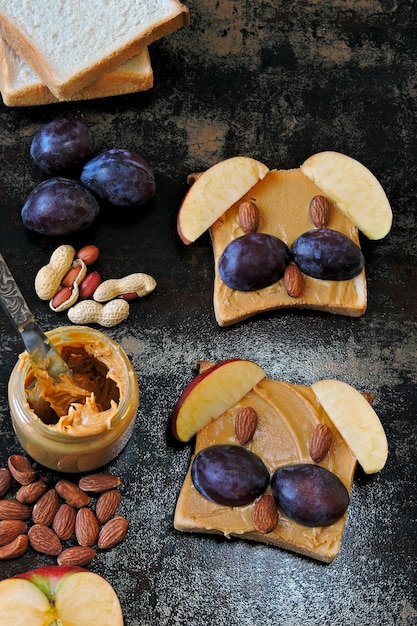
(85, 405)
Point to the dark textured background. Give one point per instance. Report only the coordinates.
(278, 81)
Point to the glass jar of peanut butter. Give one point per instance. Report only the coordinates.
(87, 433)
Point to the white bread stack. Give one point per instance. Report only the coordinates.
(60, 50)
(21, 86)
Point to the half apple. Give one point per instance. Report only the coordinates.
(59, 595)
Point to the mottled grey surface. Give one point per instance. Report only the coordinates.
(278, 81)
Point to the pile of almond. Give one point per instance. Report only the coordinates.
(37, 514)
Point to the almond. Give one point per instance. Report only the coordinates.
(12, 509)
(21, 469)
(28, 494)
(107, 505)
(320, 442)
(10, 529)
(86, 527)
(44, 540)
(293, 280)
(64, 521)
(248, 216)
(76, 556)
(320, 208)
(45, 508)
(72, 494)
(265, 514)
(96, 483)
(15, 548)
(113, 532)
(5, 481)
(245, 424)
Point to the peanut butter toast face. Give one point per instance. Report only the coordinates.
(283, 199)
(287, 416)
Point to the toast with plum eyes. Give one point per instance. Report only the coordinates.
(291, 239)
(276, 466)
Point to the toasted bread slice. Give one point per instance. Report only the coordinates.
(286, 417)
(20, 85)
(283, 198)
(71, 44)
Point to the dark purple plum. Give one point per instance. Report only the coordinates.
(253, 261)
(121, 177)
(327, 254)
(61, 146)
(229, 475)
(59, 206)
(309, 494)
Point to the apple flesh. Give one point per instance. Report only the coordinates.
(54, 595)
(211, 393)
(215, 191)
(353, 189)
(356, 421)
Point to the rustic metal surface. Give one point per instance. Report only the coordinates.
(278, 81)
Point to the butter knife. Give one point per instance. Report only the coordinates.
(40, 349)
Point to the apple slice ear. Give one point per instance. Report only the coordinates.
(211, 393)
(215, 191)
(356, 421)
(353, 189)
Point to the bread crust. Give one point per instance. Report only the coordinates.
(20, 86)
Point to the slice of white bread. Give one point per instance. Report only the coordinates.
(71, 43)
(21, 86)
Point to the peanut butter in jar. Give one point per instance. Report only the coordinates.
(95, 428)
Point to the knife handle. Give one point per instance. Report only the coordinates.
(11, 299)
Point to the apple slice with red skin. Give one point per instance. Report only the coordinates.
(53, 595)
(215, 191)
(211, 393)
